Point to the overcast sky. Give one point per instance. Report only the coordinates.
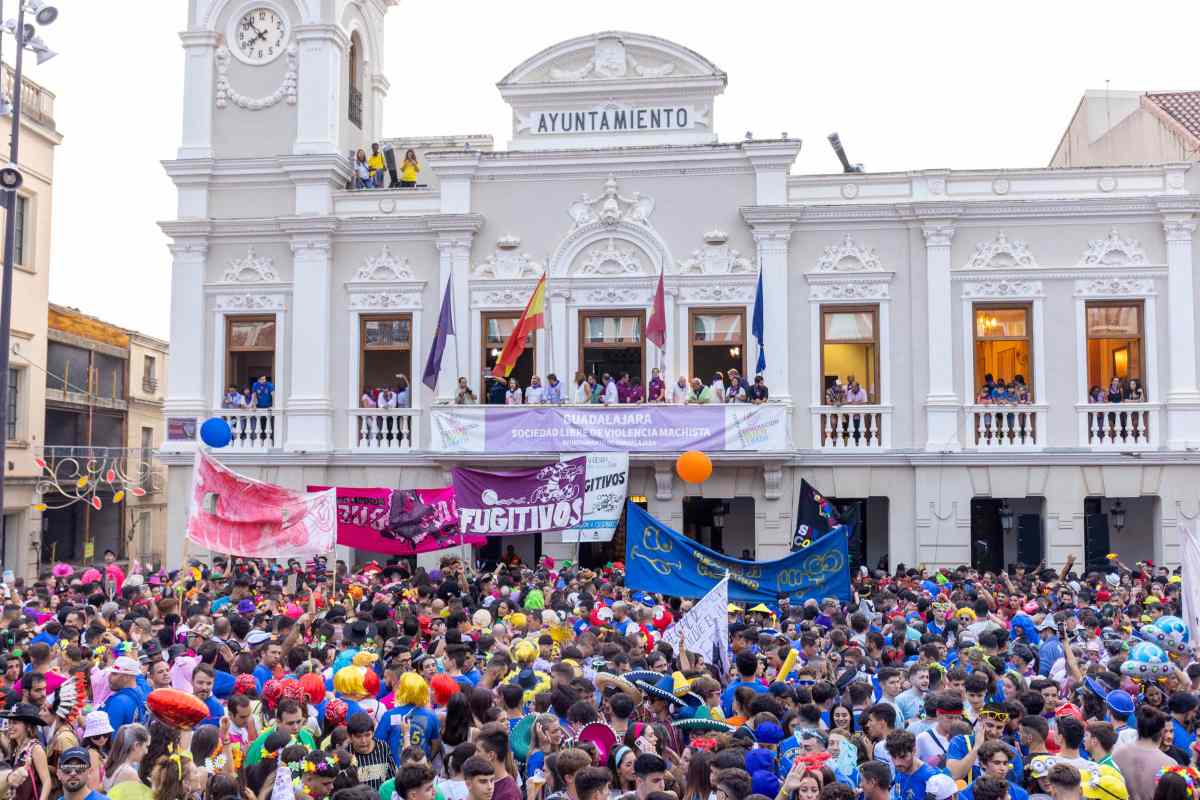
(914, 85)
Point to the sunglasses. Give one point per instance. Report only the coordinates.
(73, 769)
(994, 716)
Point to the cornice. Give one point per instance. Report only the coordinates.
(772, 153)
(621, 162)
(454, 223)
(764, 216)
(187, 228)
(323, 33)
(308, 226)
(200, 38)
(1064, 273)
(323, 166)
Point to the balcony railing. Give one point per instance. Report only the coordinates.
(1119, 426)
(37, 103)
(253, 428)
(1002, 427)
(149, 385)
(852, 427)
(385, 429)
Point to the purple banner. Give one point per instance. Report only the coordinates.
(537, 500)
(582, 429)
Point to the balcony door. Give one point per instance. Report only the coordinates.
(611, 342)
(250, 351)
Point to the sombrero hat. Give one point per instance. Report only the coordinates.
(521, 738)
(605, 679)
(696, 725)
(602, 736)
(664, 689)
(638, 676)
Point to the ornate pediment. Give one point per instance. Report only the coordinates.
(1001, 253)
(1113, 251)
(251, 269)
(849, 256)
(610, 259)
(716, 258)
(384, 268)
(611, 56)
(506, 263)
(611, 208)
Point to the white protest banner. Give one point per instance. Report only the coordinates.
(706, 627)
(1190, 561)
(604, 498)
(283, 789)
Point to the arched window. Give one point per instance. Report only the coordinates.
(355, 93)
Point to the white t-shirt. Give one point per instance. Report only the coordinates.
(611, 394)
(932, 748)
(679, 394)
(533, 394)
(450, 789)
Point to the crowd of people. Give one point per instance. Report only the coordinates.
(1119, 391)
(501, 682)
(372, 171)
(399, 395)
(260, 394)
(617, 389)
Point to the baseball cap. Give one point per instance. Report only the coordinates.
(255, 638)
(76, 755)
(941, 787)
(124, 666)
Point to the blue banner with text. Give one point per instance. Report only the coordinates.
(658, 559)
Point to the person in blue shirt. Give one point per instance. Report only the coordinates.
(997, 759)
(1051, 648)
(202, 686)
(911, 774)
(1182, 706)
(74, 766)
(126, 704)
(747, 667)
(264, 392)
(411, 722)
(268, 658)
(962, 757)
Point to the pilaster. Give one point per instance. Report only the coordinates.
(941, 403)
(309, 401)
(185, 368)
(560, 358)
(772, 161)
(772, 242)
(199, 71)
(1183, 396)
(320, 105)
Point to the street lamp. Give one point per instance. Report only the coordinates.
(1006, 516)
(10, 181)
(1117, 514)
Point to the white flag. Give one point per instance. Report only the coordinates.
(1191, 583)
(706, 627)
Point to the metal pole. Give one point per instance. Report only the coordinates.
(10, 227)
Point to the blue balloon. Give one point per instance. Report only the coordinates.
(215, 432)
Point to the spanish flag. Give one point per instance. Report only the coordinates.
(532, 319)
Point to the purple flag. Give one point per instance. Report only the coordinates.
(445, 327)
(537, 500)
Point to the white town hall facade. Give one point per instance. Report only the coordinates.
(919, 285)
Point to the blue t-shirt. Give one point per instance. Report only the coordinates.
(727, 695)
(911, 785)
(215, 711)
(1014, 792)
(1183, 739)
(423, 729)
(961, 745)
(125, 706)
(262, 673)
(92, 795)
(262, 393)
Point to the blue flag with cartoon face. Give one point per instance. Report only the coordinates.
(659, 559)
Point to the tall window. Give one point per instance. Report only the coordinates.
(251, 350)
(850, 349)
(147, 444)
(386, 353)
(10, 419)
(612, 342)
(1003, 348)
(718, 342)
(20, 221)
(149, 374)
(1114, 346)
(355, 93)
(497, 327)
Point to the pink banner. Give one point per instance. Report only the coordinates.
(241, 516)
(400, 522)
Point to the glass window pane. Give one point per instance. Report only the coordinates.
(613, 330)
(1001, 322)
(499, 329)
(257, 334)
(717, 328)
(1115, 321)
(388, 332)
(852, 326)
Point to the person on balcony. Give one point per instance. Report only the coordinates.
(835, 395)
(657, 389)
(513, 396)
(264, 392)
(627, 393)
(554, 390)
(362, 172)
(855, 393)
(535, 393)
(612, 393)
(583, 391)
(758, 392)
(1136, 393)
(403, 392)
(376, 166)
(718, 387)
(1095, 395)
(735, 392)
(1115, 393)
(368, 399)
(1021, 389)
(387, 398)
(497, 389)
(464, 396)
(700, 394)
(233, 398)
(680, 391)
(409, 170)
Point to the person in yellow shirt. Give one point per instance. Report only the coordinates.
(408, 172)
(376, 166)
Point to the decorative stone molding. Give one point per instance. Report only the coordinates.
(610, 207)
(937, 185)
(613, 296)
(716, 293)
(848, 256)
(1117, 285)
(1002, 254)
(226, 94)
(505, 298)
(1002, 289)
(938, 235)
(506, 263)
(1107, 183)
(250, 302)
(301, 246)
(849, 190)
(611, 60)
(868, 290)
(251, 269)
(386, 301)
(1001, 186)
(611, 260)
(716, 258)
(384, 268)
(664, 481)
(772, 482)
(1113, 251)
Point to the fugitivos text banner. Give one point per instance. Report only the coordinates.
(537, 500)
(399, 522)
(509, 429)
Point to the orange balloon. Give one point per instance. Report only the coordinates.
(694, 467)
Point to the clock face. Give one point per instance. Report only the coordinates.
(260, 35)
